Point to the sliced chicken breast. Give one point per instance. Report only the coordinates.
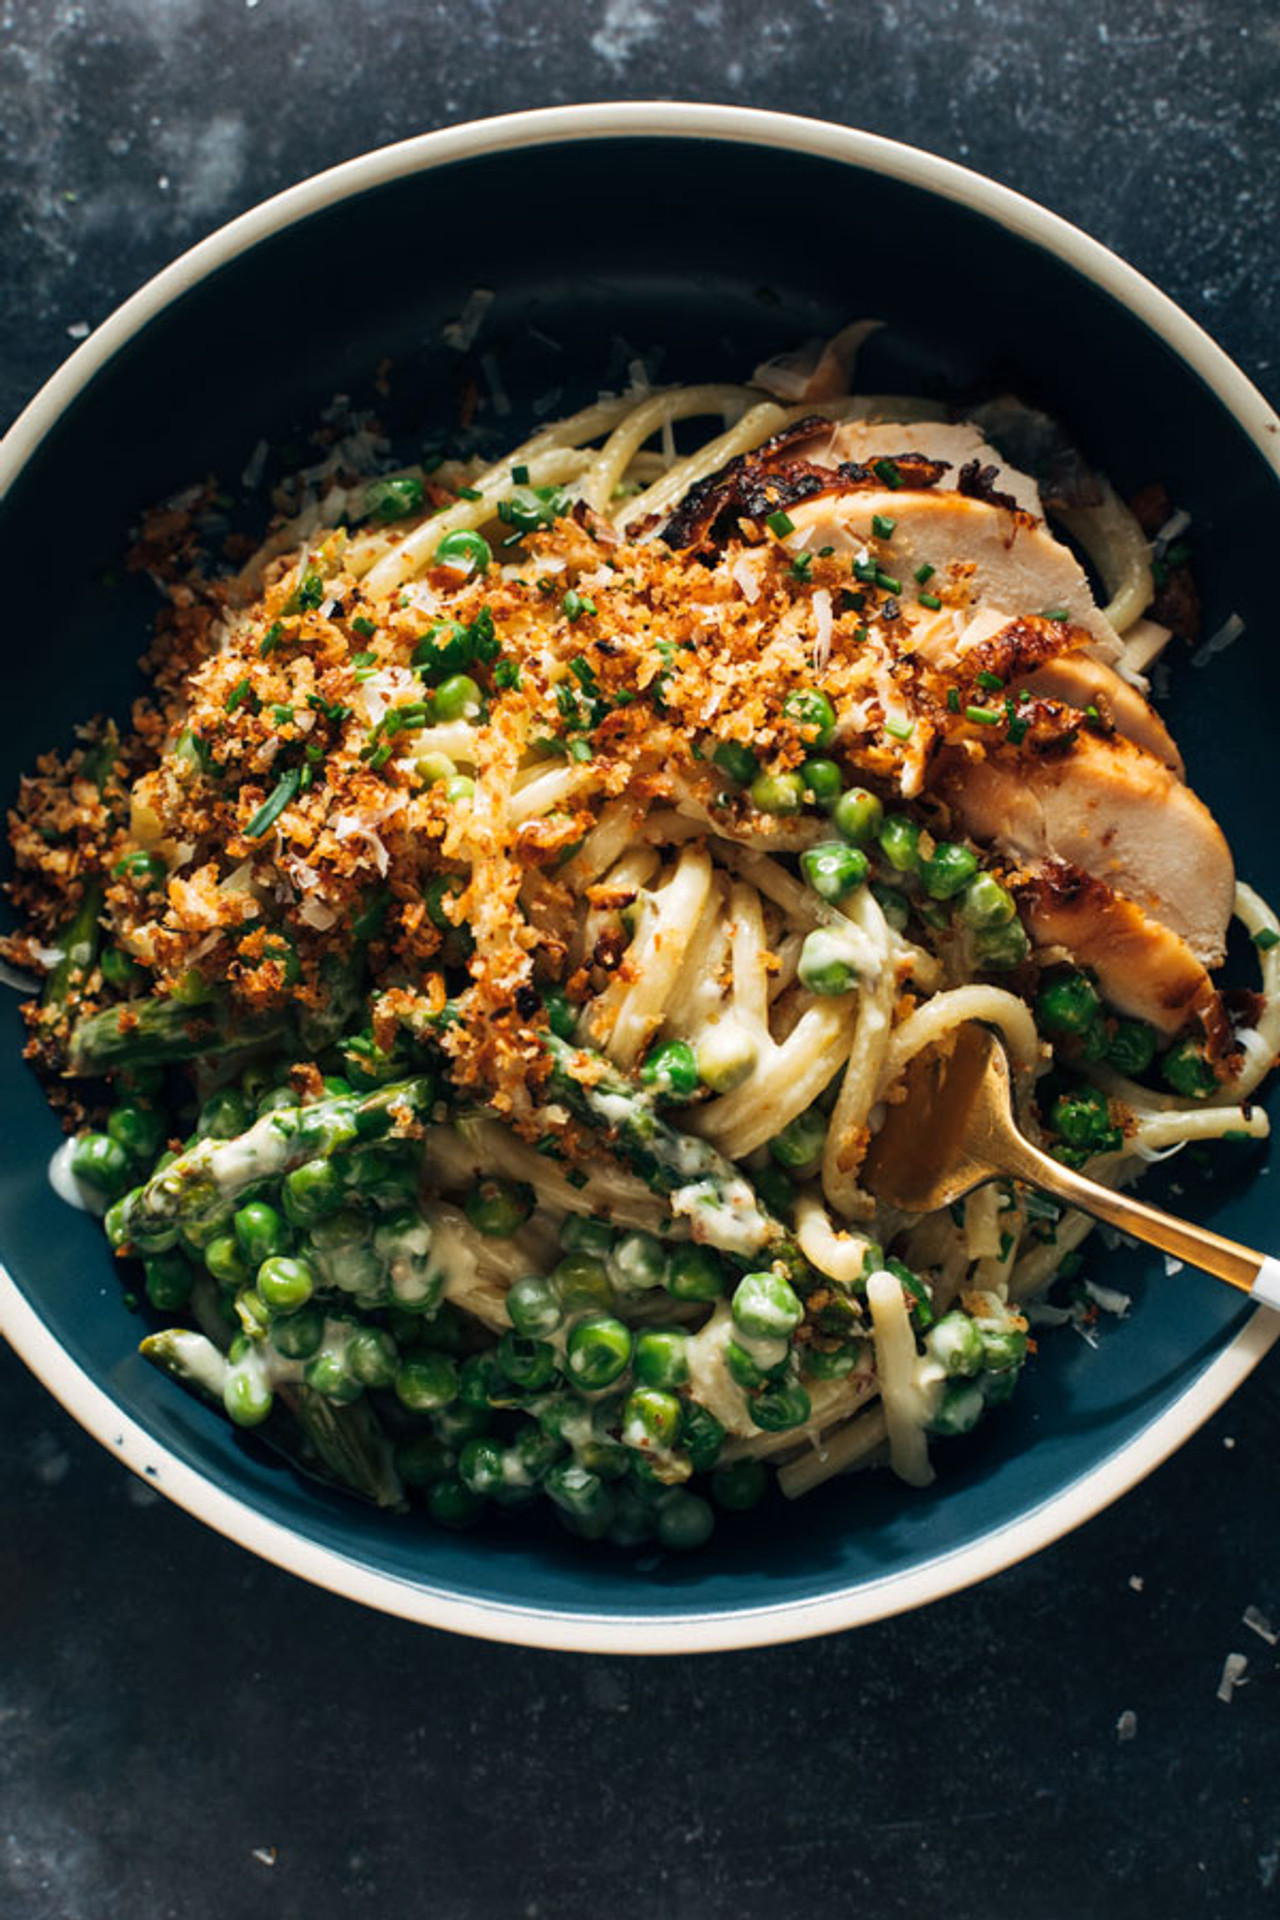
(1111, 808)
(1143, 968)
(981, 553)
(956, 442)
(1080, 681)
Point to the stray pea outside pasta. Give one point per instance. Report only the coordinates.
(474, 979)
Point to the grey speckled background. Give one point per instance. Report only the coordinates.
(186, 1733)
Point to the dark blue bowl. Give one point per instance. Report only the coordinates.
(718, 237)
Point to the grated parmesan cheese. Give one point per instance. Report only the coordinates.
(460, 334)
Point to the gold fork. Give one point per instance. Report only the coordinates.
(955, 1130)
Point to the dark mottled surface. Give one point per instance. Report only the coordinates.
(184, 1732)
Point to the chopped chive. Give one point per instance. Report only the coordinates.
(520, 475)
(780, 523)
(1266, 938)
(1017, 732)
(363, 659)
(470, 493)
(271, 638)
(364, 627)
(900, 729)
(953, 700)
(982, 716)
(802, 566)
(859, 636)
(825, 553)
(889, 471)
(882, 526)
(991, 681)
(1055, 613)
(931, 601)
(506, 674)
(926, 572)
(579, 749)
(283, 716)
(271, 809)
(866, 571)
(241, 692)
(888, 583)
(575, 604)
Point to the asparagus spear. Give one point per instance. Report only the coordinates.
(348, 1441)
(150, 1033)
(699, 1182)
(199, 1187)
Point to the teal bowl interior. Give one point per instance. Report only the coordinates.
(703, 256)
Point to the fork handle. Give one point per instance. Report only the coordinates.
(1257, 1274)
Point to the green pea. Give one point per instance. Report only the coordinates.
(1094, 1041)
(139, 1130)
(458, 698)
(833, 869)
(834, 1363)
(461, 787)
(810, 708)
(394, 497)
(101, 1163)
(1000, 948)
(825, 967)
(277, 1100)
(780, 1405)
(372, 1358)
(740, 1485)
(948, 870)
(284, 1284)
(1187, 1071)
(581, 1233)
(1082, 1119)
(298, 1335)
(144, 869)
(312, 1192)
(169, 1280)
(900, 842)
(737, 761)
(533, 1306)
(651, 1417)
(223, 1115)
(480, 1466)
(528, 1364)
(661, 1357)
(226, 1262)
(672, 1068)
(597, 1352)
(582, 1497)
(582, 1280)
(822, 781)
(893, 904)
(801, 1142)
(562, 1015)
(455, 1424)
(633, 1523)
(191, 989)
(535, 1451)
(253, 1314)
(685, 1521)
(998, 1387)
(744, 1369)
(421, 1459)
(445, 1327)
(260, 1232)
(638, 1263)
(702, 1436)
(499, 1207)
(431, 768)
(246, 1396)
(695, 1273)
(118, 970)
(1132, 1047)
(959, 1409)
(481, 1382)
(450, 1503)
(426, 1381)
(1067, 1002)
(777, 793)
(955, 1343)
(985, 903)
(857, 815)
(726, 1055)
(465, 551)
(765, 1307)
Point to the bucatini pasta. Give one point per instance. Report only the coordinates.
(474, 978)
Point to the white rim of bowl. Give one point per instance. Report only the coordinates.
(725, 1629)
